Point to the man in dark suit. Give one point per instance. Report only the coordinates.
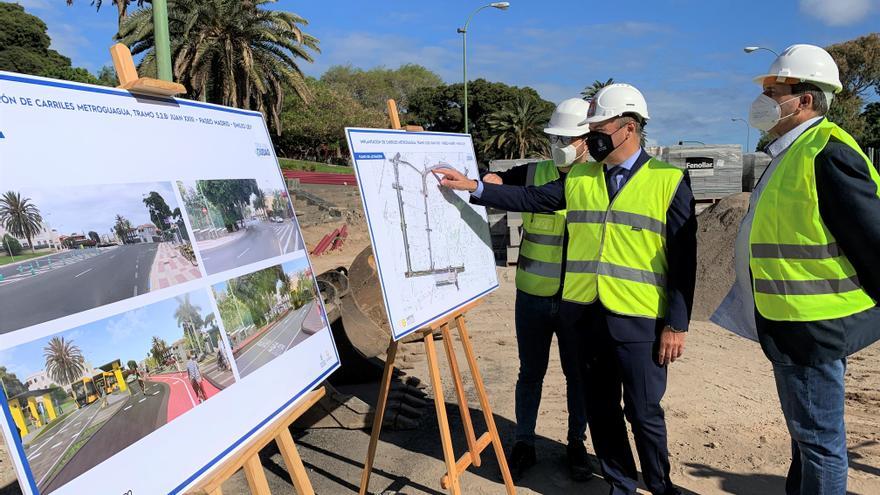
(629, 279)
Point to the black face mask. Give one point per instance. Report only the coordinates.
(600, 144)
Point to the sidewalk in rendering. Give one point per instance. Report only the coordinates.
(170, 267)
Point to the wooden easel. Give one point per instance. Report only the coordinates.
(248, 456)
(454, 467)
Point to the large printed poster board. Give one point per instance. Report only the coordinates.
(432, 247)
(162, 308)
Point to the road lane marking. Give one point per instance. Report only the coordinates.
(126, 408)
(242, 253)
(35, 456)
(135, 274)
(142, 399)
(289, 235)
(83, 273)
(57, 444)
(135, 290)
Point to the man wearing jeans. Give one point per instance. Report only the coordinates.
(538, 293)
(807, 258)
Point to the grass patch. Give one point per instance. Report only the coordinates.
(51, 426)
(288, 164)
(5, 259)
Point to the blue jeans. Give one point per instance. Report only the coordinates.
(812, 399)
(537, 319)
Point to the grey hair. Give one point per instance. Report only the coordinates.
(635, 119)
(820, 102)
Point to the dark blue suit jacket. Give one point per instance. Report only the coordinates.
(681, 237)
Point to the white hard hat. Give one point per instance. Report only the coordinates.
(568, 118)
(615, 100)
(805, 63)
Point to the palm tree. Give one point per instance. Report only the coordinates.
(516, 130)
(189, 318)
(231, 52)
(590, 91)
(64, 361)
(20, 217)
(122, 227)
(159, 350)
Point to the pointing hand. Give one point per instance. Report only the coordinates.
(453, 179)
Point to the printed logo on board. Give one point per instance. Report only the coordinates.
(263, 150)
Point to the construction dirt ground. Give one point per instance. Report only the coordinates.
(726, 431)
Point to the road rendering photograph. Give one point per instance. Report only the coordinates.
(92, 391)
(237, 222)
(66, 250)
(268, 312)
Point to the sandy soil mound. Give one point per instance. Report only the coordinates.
(716, 236)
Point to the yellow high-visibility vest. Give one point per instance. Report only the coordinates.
(617, 250)
(539, 268)
(799, 273)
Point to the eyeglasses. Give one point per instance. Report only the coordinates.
(563, 140)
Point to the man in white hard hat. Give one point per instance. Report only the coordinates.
(538, 294)
(807, 258)
(629, 279)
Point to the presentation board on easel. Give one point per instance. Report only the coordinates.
(432, 247)
(163, 309)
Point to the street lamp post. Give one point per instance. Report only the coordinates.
(748, 133)
(463, 32)
(750, 49)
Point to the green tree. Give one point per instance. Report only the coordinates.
(122, 227)
(230, 197)
(440, 109)
(94, 237)
(132, 364)
(590, 91)
(517, 130)
(159, 209)
(20, 217)
(24, 47)
(11, 245)
(315, 129)
(871, 115)
(372, 88)
(159, 351)
(64, 361)
(859, 63)
(229, 52)
(188, 316)
(11, 384)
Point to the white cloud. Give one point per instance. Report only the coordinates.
(121, 328)
(837, 12)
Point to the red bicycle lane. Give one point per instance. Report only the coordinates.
(182, 397)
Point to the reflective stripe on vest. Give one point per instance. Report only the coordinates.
(539, 268)
(799, 272)
(617, 251)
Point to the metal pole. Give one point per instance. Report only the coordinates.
(162, 39)
(464, 73)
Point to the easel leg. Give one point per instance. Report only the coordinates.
(294, 463)
(378, 414)
(256, 477)
(443, 422)
(484, 403)
(462, 398)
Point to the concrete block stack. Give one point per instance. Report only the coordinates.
(716, 170)
(506, 227)
(754, 165)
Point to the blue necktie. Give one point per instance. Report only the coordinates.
(615, 177)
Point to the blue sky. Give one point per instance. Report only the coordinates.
(83, 209)
(126, 336)
(686, 55)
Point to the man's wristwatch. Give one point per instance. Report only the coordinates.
(675, 330)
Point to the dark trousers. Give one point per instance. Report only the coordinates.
(537, 319)
(627, 370)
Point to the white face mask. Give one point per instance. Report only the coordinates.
(766, 112)
(564, 156)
